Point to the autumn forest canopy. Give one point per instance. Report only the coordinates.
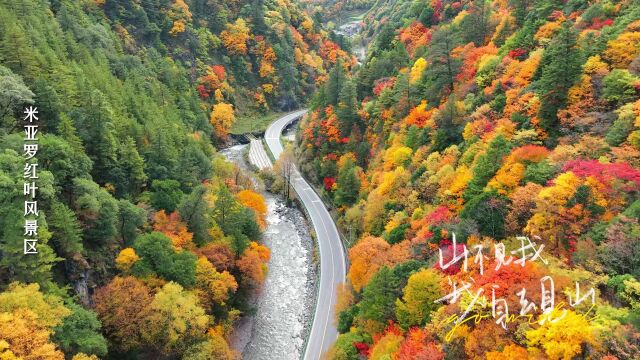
(487, 119)
(149, 241)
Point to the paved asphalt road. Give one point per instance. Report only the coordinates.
(257, 155)
(332, 263)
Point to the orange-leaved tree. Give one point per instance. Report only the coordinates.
(255, 202)
(235, 37)
(253, 263)
(124, 307)
(172, 226)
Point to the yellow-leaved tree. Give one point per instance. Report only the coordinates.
(222, 118)
(24, 337)
(81, 356)
(418, 300)
(213, 287)
(126, 258)
(562, 339)
(626, 47)
(181, 16)
(417, 69)
(27, 319)
(178, 318)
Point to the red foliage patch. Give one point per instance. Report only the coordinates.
(439, 216)
(603, 172)
(331, 156)
(328, 182)
(448, 255)
(597, 23)
(211, 81)
(382, 84)
(363, 348)
(518, 54)
(219, 71)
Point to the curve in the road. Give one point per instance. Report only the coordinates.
(332, 257)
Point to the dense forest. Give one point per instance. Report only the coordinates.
(148, 241)
(329, 10)
(487, 121)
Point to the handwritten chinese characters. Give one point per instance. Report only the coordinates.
(480, 294)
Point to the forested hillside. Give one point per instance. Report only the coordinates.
(333, 9)
(488, 120)
(148, 241)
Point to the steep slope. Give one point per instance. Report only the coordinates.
(149, 242)
(334, 10)
(256, 55)
(488, 120)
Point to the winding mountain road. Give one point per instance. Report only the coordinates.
(332, 257)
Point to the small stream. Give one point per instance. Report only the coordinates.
(285, 304)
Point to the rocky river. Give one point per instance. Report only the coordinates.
(285, 305)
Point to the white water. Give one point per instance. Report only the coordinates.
(276, 332)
